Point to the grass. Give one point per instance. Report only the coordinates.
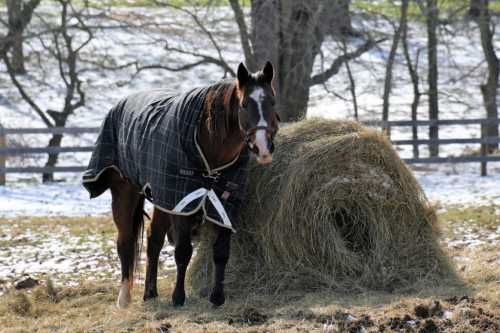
(482, 216)
(90, 306)
(393, 9)
(149, 3)
(387, 7)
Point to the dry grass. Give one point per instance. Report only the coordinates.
(90, 307)
(337, 209)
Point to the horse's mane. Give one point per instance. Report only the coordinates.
(221, 109)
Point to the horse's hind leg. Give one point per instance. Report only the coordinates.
(128, 207)
(220, 256)
(156, 238)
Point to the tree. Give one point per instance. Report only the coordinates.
(62, 46)
(390, 61)
(479, 11)
(19, 15)
(290, 34)
(415, 79)
(432, 14)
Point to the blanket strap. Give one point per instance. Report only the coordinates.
(203, 192)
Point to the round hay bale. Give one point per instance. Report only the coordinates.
(337, 208)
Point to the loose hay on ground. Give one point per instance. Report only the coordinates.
(337, 208)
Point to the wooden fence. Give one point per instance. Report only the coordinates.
(482, 158)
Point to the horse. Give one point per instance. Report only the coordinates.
(234, 119)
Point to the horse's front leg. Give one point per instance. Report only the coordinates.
(221, 256)
(156, 238)
(183, 252)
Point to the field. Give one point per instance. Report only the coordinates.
(79, 284)
(58, 247)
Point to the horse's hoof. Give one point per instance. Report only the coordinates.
(217, 298)
(124, 299)
(150, 297)
(178, 298)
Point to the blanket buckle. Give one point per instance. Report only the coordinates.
(215, 176)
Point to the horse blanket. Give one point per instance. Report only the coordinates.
(151, 139)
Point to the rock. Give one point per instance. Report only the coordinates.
(429, 327)
(466, 299)
(165, 327)
(452, 300)
(422, 311)
(407, 317)
(26, 283)
(448, 314)
(436, 309)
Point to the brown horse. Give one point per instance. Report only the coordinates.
(237, 116)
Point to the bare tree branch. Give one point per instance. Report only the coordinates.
(23, 92)
(220, 61)
(338, 62)
(207, 59)
(244, 38)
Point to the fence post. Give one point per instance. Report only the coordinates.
(484, 150)
(3, 158)
(484, 167)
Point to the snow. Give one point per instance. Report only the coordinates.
(52, 253)
(465, 188)
(18, 199)
(459, 94)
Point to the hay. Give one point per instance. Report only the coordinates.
(337, 208)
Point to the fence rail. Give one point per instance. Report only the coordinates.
(483, 158)
(432, 122)
(50, 130)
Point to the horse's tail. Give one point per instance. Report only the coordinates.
(138, 230)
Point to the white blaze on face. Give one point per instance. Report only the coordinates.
(261, 135)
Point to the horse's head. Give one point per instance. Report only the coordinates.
(257, 116)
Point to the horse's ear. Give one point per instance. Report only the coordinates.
(268, 72)
(242, 75)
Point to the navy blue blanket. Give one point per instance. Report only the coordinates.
(150, 138)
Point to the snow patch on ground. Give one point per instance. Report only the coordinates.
(52, 251)
(18, 199)
(465, 188)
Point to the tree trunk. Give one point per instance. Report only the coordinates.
(390, 64)
(352, 89)
(474, 8)
(290, 33)
(336, 20)
(15, 20)
(431, 20)
(3, 158)
(489, 90)
(413, 71)
(265, 33)
(55, 141)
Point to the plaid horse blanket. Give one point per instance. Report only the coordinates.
(151, 139)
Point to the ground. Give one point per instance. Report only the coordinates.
(78, 288)
(48, 241)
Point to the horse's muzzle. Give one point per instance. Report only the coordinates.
(265, 156)
(263, 151)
